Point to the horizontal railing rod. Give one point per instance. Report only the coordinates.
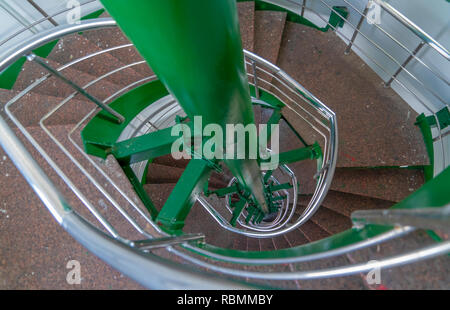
(157, 243)
(79, 89)
(405, 63)
(425, 218)
(443, 79)
(12, 36)
(43, 13)
(414, 28)
(425, 105)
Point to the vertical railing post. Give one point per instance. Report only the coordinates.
(303, 8)
(40, 10)
(355, 33)
(405, 63)
(255, 78)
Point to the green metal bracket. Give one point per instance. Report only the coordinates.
(443, 117)
(100, 134)
(425, 128)
(140, 191)
(175, 210)
(151, 145)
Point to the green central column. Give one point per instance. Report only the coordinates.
(194, 46)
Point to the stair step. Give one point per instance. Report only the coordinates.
(112, 37)
(331, 221)
(168, 160)
(393, 184)
(431, 273)
(75, 46)
(163, 174)
(345, 203)
(33, 106)
(246, 11)
(368, 136)
(266, 244)
(57, 88)
(269, 26)
(313, 232)
(200, 221)
(253, 244)
(84, 185)
(296, 238)
(159, 193)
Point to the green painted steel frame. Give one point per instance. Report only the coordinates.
(432, 194)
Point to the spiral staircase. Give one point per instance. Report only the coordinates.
(86, 123)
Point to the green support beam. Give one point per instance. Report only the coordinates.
(151, 145)
(137, 185)
(195, 49)
(177, 207)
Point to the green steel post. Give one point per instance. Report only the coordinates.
(177, 207)
(195, 49)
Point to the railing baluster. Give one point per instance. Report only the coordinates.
(255, 78)
(405, 63)
(152, 244)
(363, 16)
(40, 10)
(303, 8)
(42, 63)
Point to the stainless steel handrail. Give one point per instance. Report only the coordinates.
(113, 250)
(425, 37)
(393, 76)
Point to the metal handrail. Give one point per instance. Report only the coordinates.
(425, 37)
(418, 31)
(111, 250)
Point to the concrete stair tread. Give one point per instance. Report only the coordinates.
(345, 203)
(168, 160)
(393, 184)
(57, 88)
(161, 173)
(246, 11)
(296, 238)
(75, 46)
(33, 106)
(84, 185)
(159, 193)
(431, 273)
(331, 221)
(313, 232)
(368, 136)
(113, 37)
(269, 27)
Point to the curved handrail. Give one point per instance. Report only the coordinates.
(111, 250)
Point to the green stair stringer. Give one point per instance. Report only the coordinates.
(334, 21)
(425, 124)
(433, 194)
